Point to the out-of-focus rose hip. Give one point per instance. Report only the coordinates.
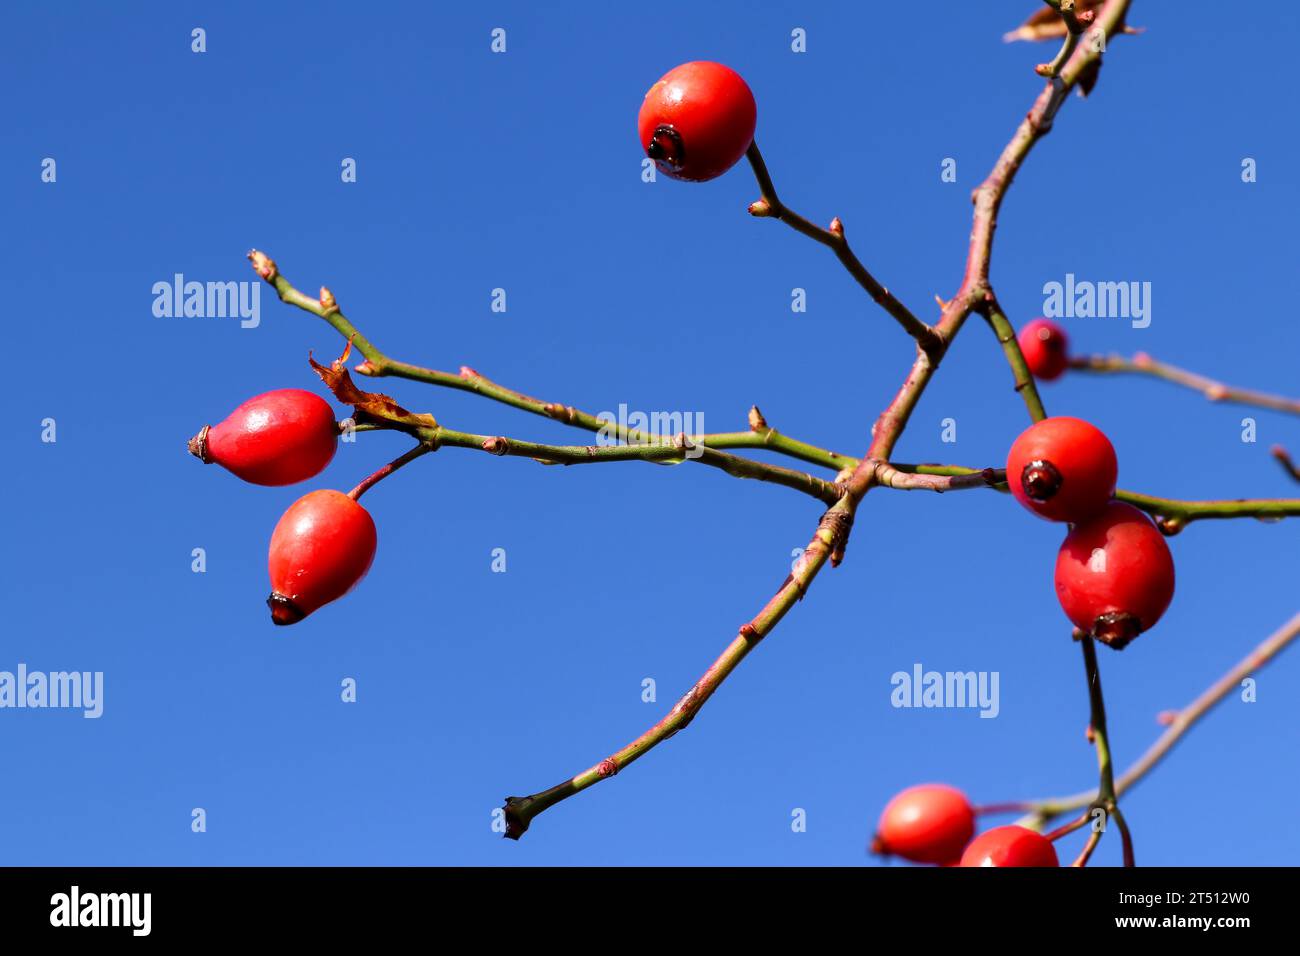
(1045, 347)
(930, 823)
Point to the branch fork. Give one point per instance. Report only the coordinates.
(854, 477)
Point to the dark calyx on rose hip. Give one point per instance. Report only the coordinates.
(1041, 480)
(1116, 629)
(666, 147)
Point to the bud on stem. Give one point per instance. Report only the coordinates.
(263, 264)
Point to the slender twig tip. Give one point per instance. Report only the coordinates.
(263, 264)
(1284, 459)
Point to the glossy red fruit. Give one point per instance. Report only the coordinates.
(697, 121)
(1045, 347)
(320, 549)
(1115, 575)
(276, 438)
(1010, 846)
(1062, 469)
(930, 823)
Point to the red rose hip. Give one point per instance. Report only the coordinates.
(1115, 575)
(1010, 846)
(1062, 469)
(1045, 347)
(321, 547)
(697, 121)
(276, 438)
(930, 823)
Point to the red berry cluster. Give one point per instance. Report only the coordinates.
(1114, 579)
(934, 823)
(324, 544)
(1114, 572)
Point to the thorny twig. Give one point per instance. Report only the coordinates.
(855, 476)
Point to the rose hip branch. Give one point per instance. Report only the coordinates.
(1115, 573)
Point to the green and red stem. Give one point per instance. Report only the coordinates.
(1107, 798)
(1143, 364)
(857, 475)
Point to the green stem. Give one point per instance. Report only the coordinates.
(1073, 28)
(1024, 379)
(770, 438)
(1107, 798)
(683, 449)
(1181, 512)
(1174, 513)
(268, 270)
(378, 365)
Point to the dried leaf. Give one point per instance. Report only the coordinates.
(370, 405)
(1043, 24)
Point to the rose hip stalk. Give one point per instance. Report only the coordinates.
(276, 438)
(321, 547)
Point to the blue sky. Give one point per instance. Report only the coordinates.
(521, 171)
